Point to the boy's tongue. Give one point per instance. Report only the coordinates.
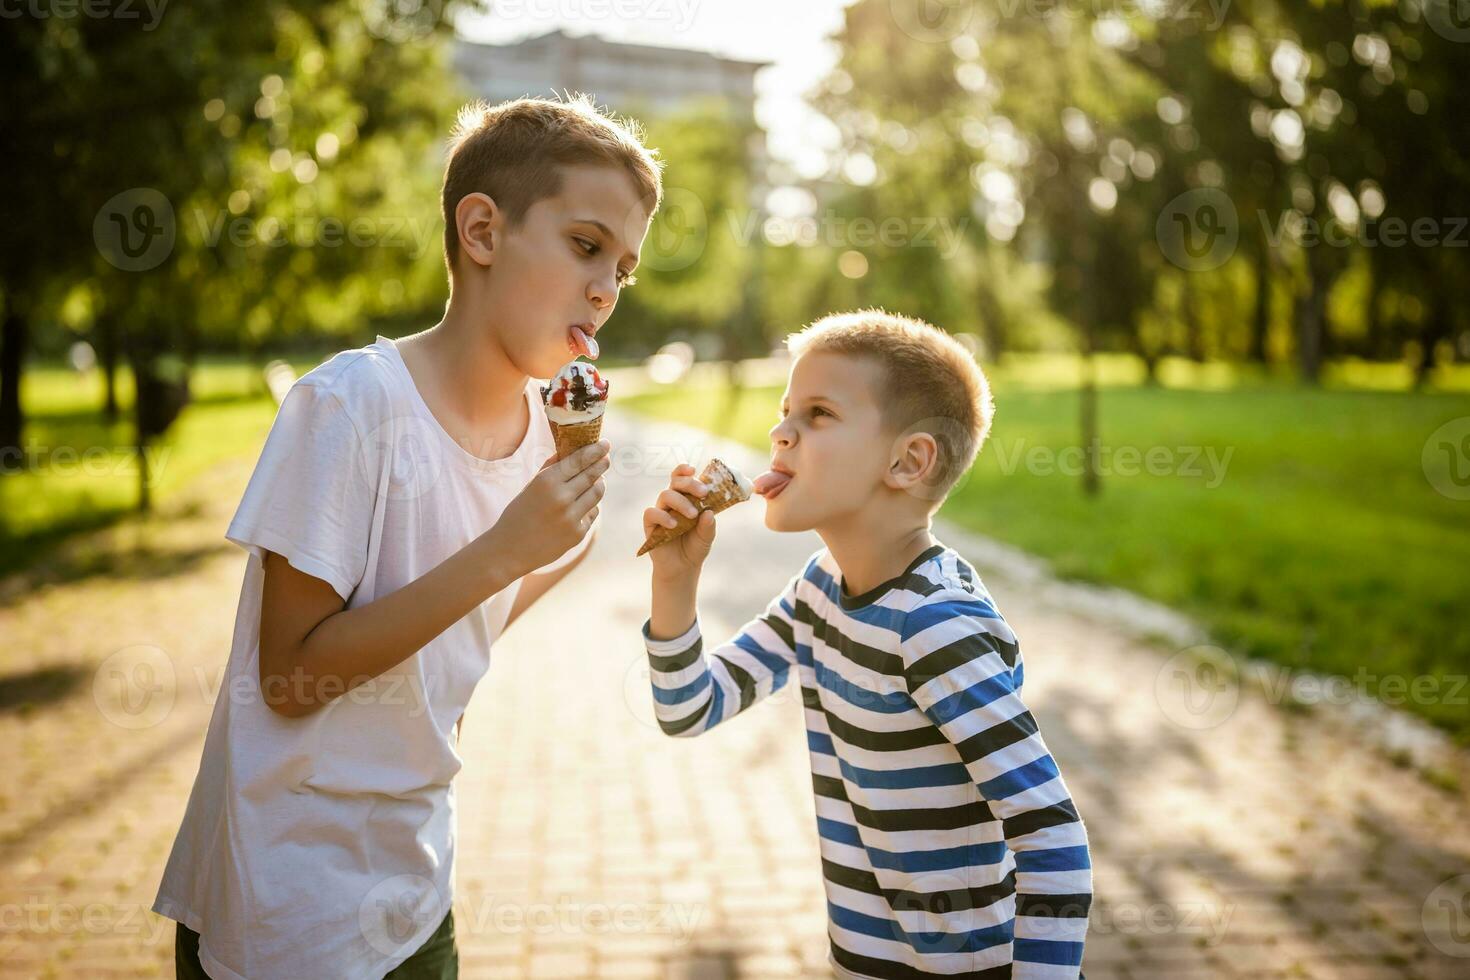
(580, 344)
(769, 482)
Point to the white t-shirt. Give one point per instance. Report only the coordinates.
(323, 846)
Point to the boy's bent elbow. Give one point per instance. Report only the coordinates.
(282, 697)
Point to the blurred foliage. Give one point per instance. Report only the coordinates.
(1067, 131)
(290, 149)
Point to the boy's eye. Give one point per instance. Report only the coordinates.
(819, 411)
(592, 248)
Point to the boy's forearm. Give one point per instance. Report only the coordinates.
(353, 646)
(673, 608)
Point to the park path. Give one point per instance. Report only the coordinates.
(1246, 842)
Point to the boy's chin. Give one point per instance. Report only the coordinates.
(779, 520)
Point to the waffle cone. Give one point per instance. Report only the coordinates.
(724, 492)
(570, 438)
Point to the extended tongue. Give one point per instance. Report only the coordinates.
(769, 481)
(581, 344)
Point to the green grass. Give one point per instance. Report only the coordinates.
(1323, 546)
(82, 473)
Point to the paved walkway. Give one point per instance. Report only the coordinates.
(1249, 842)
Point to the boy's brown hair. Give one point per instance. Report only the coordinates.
(931, 382)
(514, 152)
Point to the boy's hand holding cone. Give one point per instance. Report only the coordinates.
(681, 528)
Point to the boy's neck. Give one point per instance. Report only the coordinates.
(473, 373)
(871, 555)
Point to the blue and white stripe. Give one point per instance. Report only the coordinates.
(950, 845)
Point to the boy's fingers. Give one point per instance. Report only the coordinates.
(674, 500)
(654, 517)
(689, 485)
(583, 458)
(579, 483)
(588, 499)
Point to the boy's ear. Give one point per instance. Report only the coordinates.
(913, 462)
(479, 222)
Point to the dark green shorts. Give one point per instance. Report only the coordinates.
(436, 959)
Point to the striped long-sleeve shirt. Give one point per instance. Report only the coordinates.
(950, 845)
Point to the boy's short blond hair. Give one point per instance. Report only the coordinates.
(931, 383)
(514, 152)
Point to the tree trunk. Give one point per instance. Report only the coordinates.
(107, 355)
(992, 317)
(1261, 322)
(1193, 332)
(14, 336)
(1311, 317)
(1436, 329)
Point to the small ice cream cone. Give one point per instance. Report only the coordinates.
(575, 401)
(726, 488)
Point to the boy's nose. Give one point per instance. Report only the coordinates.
(781, 434)
(600, 292)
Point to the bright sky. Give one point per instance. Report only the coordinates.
(791, 34)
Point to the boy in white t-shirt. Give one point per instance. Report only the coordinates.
(406, 508)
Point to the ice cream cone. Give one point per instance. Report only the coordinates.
(575, 401)
(726, 488)
(570, 438)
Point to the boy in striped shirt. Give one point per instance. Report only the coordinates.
(950, 845)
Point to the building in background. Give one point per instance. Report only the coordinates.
(628, 78)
